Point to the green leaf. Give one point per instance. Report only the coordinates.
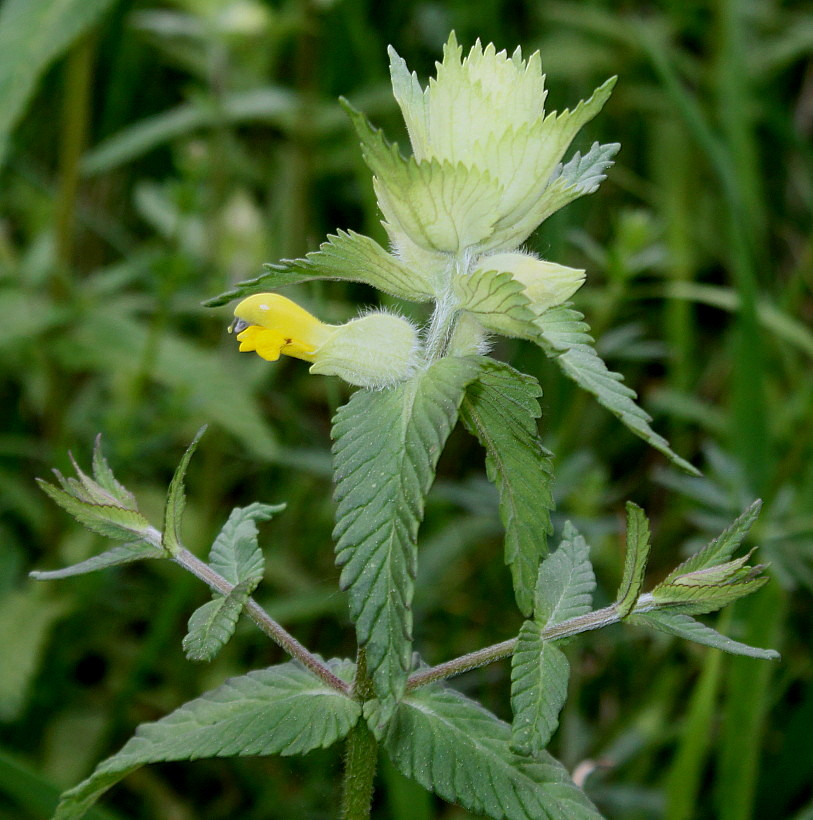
(33, 33)
(498, 301)
(563, 336)
(212, 625)
(579, 176)
(684, 626)
(564, 588)
(721, 548)
(235, 553)
(176, 500)
(105, 519)
(386, 447)
(282, 710)
(347, 256)
(460, 751)
(105, 478)
(539, 676)
(439, 206)
(638, 546)
(501, 410)
(125, 554)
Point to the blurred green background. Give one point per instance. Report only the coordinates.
(153, 153)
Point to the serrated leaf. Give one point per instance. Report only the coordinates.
(386, 447)
(564, 587)
(637, 554)
(684, 626)
(722, 547)
(579, 176)
(460, 751)
(105, 478)
(539, 676)
(282, 710)
(439, 206)
(112, 522)
(176, 499)
(235, 553)
(498, 301)
(697, 599)
(501, 410)
(125, 554)
(212, 624)
(563, 336)
(347, 256)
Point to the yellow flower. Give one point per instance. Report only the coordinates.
(375, 350)
(270, 324)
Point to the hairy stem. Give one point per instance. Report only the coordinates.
(261, 618)
(361, 754)
(574, 626)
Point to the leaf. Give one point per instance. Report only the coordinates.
(112, 522)
(539, 676)
(347, 256)
(501, 410)
(34, 33)
(638, 546)
(439, 206)
(564, 588)
(722, 547)
(386, 447)
(176, 500)
(105, 478)
(125, 554)
(579, 176)
(212, 625)
(281, 710)
(557, 132)
(460, 751)
(235, 553)
(498, 301)
(563, 337)
(684, 626)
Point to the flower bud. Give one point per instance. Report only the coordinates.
(547, 284)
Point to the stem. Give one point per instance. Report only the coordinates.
(574, 626)
(361, 754)
(261, 618)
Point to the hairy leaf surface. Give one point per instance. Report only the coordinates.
(235, 553)
(212, 625)
(684, 626)
(282, 710)
(564, 588)
(460, 751)
(386, 447)
(347, 256)
(501, 410)
(564, 338)
(539, 676)
(637, 554)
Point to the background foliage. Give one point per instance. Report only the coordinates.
(155, 152)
